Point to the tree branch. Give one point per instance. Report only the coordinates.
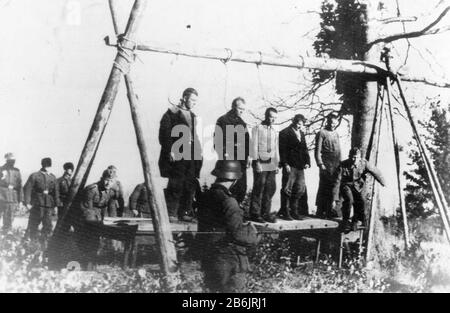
(425, 31)
(427, 81)
(398, 19)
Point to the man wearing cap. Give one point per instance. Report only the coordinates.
(181, 156)
(117, 204)
(41, 197)
(11, 193)
(294, 159)
(223, 236)
(92, 206)
(232, 142)
(352, 176)
(64, 187)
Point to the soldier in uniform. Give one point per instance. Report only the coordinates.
(117, 203)
(224, 238)
(181, 165)
(41, 197)
(352, 177)
(232, 142)
(328, 157)
(11, 193)
(92, 205)
(64, 187)
(139, 203)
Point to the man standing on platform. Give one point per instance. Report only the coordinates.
(41, 197)
(265, 155)
(294, 159)
(64, 187)
(328, 157)
(181, 156)
(11, 193)
(224, 238)
(231, 141)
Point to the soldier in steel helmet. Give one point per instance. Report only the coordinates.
(223, 236)
(92, 205)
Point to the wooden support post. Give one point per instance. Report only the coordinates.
(432, 176)
(374, 146)
(319, 243)
(341, 250)
(401, 194)
(158, 209)
(121, 63)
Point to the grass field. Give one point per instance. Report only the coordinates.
(277, 267)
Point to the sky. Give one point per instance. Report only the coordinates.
(54, 66)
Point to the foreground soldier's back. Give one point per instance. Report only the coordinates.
(224, 237)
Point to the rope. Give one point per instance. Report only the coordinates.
(397, 163)
(264, 98)
(125, 53)
(228, 58)
(226, 86)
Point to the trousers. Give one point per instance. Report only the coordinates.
(37, 216)
(7, 212)
(352, 198)
(264, 187)
(180, 194)
(224, 272)
(298, 200)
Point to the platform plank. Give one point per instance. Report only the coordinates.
(307, 223)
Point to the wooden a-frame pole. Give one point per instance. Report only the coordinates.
(401, 194)
(158, 209)
(121, 66)
(432, 176)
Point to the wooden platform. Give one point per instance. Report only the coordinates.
(145, 225)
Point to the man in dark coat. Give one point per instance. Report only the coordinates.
(352, 177)
(11, 193)
(138, 202)
(41, 197)
(328, 157)
(181, 156)
(64, 187)
(92, 204)
(225, 238)
(231, 142)
(294, 159)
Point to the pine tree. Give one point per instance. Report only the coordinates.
(419, 196)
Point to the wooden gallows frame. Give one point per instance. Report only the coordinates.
(126, 46)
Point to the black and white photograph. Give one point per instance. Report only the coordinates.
(208, 147)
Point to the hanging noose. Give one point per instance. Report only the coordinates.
(225, 63)
(170, 78)
(261, 87)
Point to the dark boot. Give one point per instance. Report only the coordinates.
(284, 214)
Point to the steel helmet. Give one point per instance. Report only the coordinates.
(227, 169)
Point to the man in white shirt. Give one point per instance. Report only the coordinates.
(265, 154)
